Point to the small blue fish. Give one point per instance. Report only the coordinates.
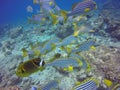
(68, 40)
(83, 7)
(51, 85)
(33, 88)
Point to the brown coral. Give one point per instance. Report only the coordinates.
(105, 62)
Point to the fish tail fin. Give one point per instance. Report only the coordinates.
(64, 14)
(54, 18)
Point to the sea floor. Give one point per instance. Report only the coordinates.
(104, 61)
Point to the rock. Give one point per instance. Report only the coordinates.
(26, 84)
(14, 80)
(15, 32)
(1, 76)
(83, 76)
(12, 66)
(8, 45)
(109, 67)
(116, 34)
(0, 44)
(7, 53)
(4, 28)
(64, 31)
(3, 84)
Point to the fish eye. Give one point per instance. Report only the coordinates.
(37, 61)
(43, 63)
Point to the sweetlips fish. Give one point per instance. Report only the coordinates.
(88, 84)
(66, 64)
(40, 49)
(80, 8)
(47, 6)
(90, 44)
(37, 18)
(82, 29)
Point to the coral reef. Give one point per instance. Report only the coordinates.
(95, 54)
(64, 30)
(15, 32)
(110, 15)
(4, 28)
(105, 62)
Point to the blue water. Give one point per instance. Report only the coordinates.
(15, 10)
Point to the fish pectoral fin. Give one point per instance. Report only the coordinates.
(87, 9)
(69, 68)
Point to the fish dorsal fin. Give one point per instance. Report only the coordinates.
(74, 5)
